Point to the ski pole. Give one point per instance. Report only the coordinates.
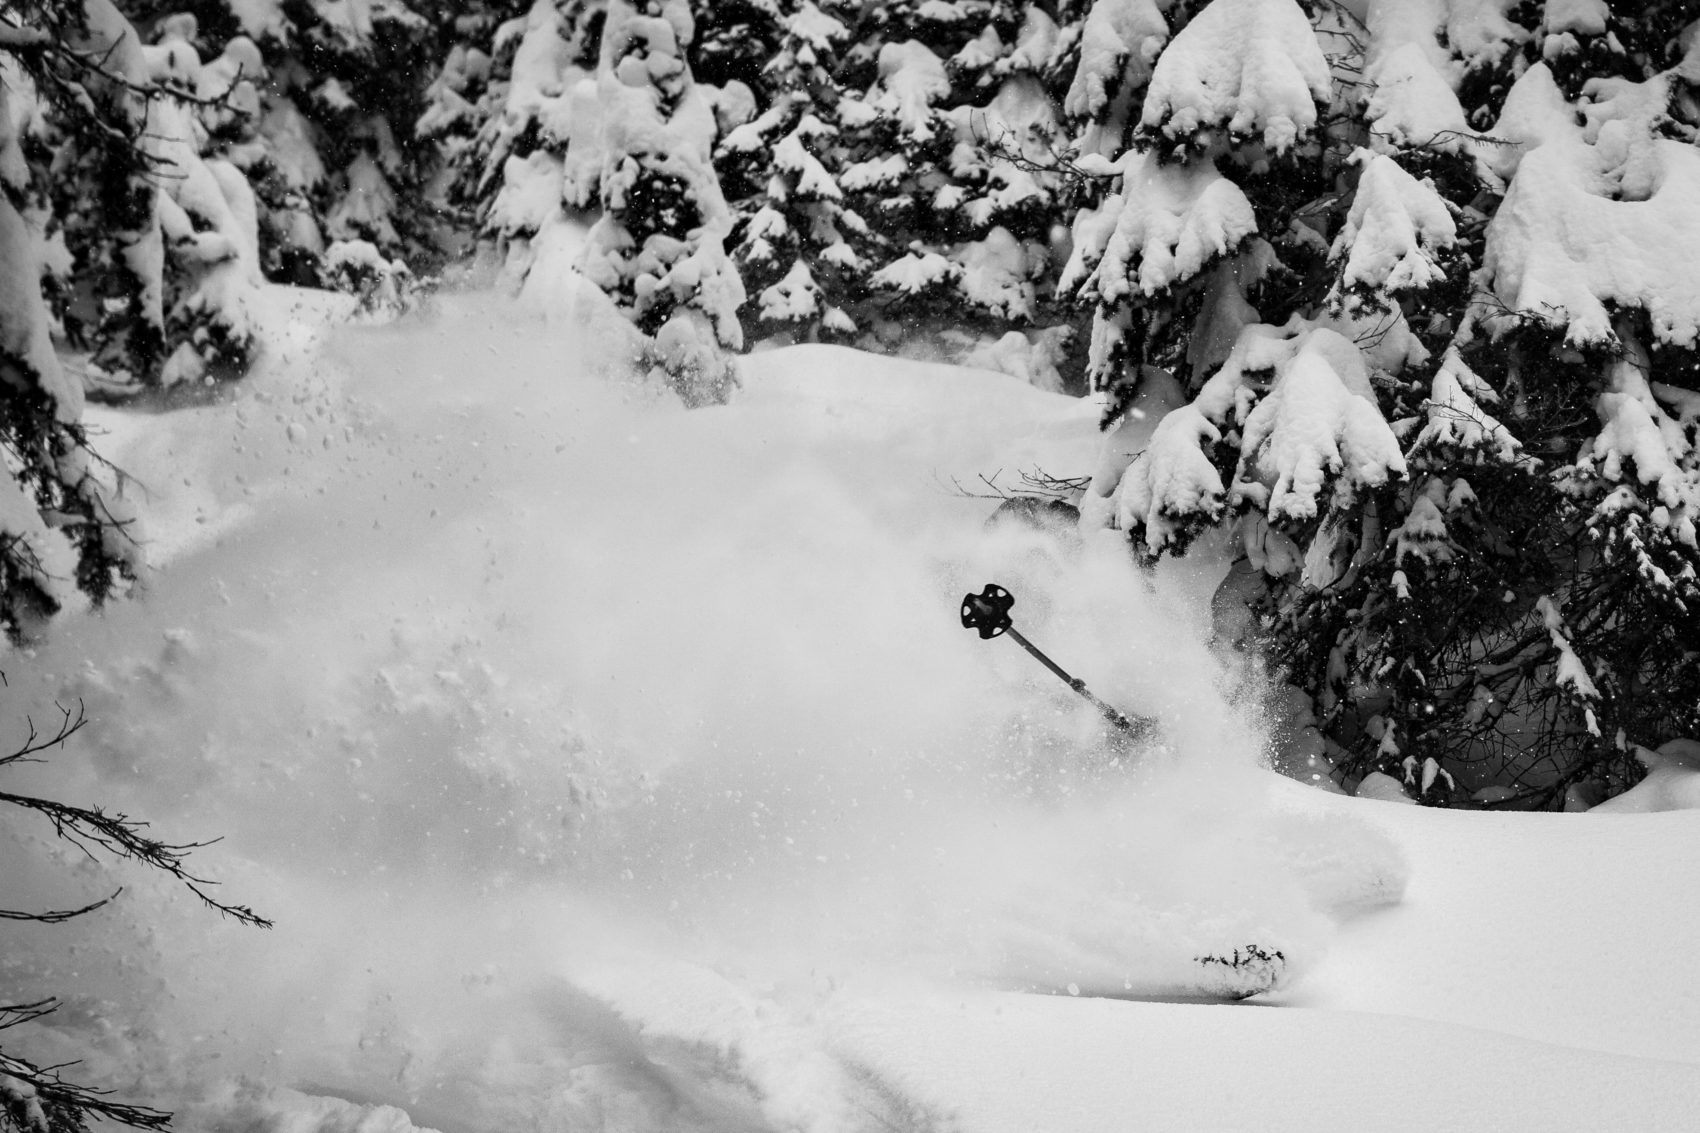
(988, 612)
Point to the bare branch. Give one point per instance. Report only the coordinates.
(120, 835)
(32, 1096)
(90, 829)
(34, 745)
(1059, 160)
(56, 916)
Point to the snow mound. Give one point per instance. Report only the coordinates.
(1672, 782)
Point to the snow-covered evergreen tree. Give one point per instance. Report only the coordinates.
(899, 145)
(521, 123)
(159, 265)
(1007, 193)
(734, 41)
(658, 248)
(330, 147)
(195, 147)
(206, 211)
(858, 204)
(804, 255)
(898, 179)
(61, 529)
(1436, 386)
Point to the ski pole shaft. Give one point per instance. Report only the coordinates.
(1110, 712)
(1077, 686)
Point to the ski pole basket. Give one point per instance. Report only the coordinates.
(987, 611)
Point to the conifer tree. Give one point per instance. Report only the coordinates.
(804, 255)
(735, 40)
(520, 126)
(658, 248)
(1007, 196)
(1454, 439)
(896, 144)
(331, 148)
(945, 150)
(191, 152)
(61, 529)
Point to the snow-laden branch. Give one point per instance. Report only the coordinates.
(1393, 236)
(1164, 226)
(1253, 68)
(1597, 216)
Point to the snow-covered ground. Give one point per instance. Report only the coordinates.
(611, 766)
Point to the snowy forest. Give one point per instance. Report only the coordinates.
(518, 463)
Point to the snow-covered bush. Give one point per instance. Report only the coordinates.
(384, 287)
(1439, 330)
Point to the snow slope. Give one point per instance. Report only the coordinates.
(1546, 991)
(608, 766)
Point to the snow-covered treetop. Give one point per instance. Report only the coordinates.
(1417, 53)
(819, 30)
(645, 52)
(1251, 67)
(997, 275)
(795, 298)
(912, 80)
(659, 246)
(1118, 45)
(1597, 215)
